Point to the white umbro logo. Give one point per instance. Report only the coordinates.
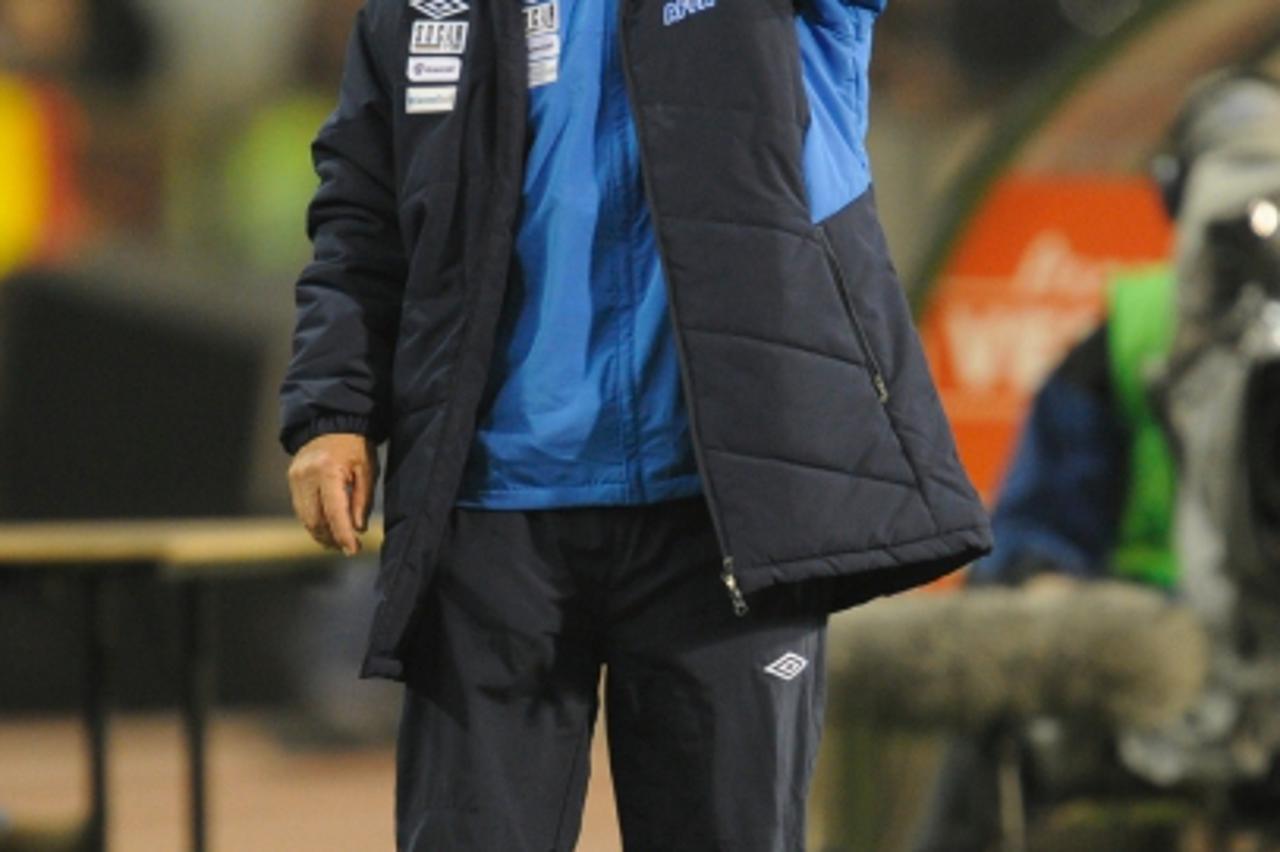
(787, 667)
(438, 10)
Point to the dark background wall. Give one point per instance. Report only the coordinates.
(122, 396)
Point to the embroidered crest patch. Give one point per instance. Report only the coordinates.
(439, 37)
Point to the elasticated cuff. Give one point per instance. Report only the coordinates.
(294, 438)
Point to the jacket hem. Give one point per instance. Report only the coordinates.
(853, 577)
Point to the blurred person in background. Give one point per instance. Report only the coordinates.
(581, 472)
(268, 177)
(40, 212)
(67, 69)
(1092, 490)
(41, 46)
(92, 45)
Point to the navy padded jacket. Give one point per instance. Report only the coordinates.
(824, 453)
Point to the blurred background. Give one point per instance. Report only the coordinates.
(154, 172)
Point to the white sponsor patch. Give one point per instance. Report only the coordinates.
(440, 9)
(439, 37)
(542, 32)
(434, 69)
(419, 100)
(787, 667)
(544, 46)
(543, 72)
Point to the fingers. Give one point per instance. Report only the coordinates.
(309, 508)
(331, 483)
(361, 496)
(336, 501)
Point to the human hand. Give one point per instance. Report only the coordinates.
(331, 482)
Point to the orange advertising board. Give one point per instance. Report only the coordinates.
(1027, 280)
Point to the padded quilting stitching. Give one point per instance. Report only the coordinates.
(762, 341)
(734, 223)
(835, 471)
(890, 416)
(957, 488)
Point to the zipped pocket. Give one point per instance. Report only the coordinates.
(878, 381)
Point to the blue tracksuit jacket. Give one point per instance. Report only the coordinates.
(584, 404)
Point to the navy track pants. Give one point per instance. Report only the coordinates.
(713, 718)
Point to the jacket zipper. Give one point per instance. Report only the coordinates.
(727, 576)
(873, 364)
(730, 581)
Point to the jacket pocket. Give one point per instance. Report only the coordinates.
(874, 370)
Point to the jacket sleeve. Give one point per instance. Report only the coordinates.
(348, 298)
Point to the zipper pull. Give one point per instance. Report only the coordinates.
(736, 598)
(881, 386)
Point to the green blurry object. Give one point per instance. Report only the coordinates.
(268, 182)
(1140, 325)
